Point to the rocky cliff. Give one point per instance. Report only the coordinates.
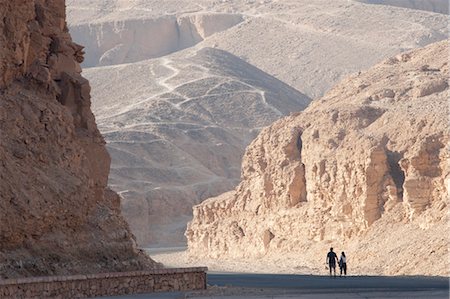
(131, 40)
(56, 214)
(177, 125)
(363, 169)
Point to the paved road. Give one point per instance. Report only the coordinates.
(313, 287)
(313, 282)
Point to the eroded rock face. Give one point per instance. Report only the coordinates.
(363, 169)
(117, 42)
(177, 125)
(56, 214)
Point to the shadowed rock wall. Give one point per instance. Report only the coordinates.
(56, 214)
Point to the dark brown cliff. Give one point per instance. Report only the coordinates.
(56, 214)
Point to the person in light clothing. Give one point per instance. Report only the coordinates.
(343, 263)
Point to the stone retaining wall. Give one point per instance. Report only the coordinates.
(105, 284)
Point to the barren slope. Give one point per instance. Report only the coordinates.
(364, 169)
(439, 6)
(312, 51)
(294, 41)
(177, 128)
(56, 214)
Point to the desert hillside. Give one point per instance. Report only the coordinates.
(179, 87)
(57, 215)
(178, 129)
(293, 40)
(364, 169)
(439, 6)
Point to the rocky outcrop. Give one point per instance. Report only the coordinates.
(177, 125)
(132, 40)
(362, 169)
(56, 214)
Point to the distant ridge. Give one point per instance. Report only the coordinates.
(308, 45)
(439, 6)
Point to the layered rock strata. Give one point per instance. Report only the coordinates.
(132, 40)
(362, 169)
(56, 214)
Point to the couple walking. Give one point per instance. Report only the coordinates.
(332, 259)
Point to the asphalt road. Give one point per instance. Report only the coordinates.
(313, 282)
(313, 287)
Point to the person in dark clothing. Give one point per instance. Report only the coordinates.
(331, 261)
(343, 263)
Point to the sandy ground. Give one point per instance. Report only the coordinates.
(178, 257)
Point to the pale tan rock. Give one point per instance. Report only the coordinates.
(428, 5)
(177, 128)
(362, 169)
(177, 125)
(123, 41)
(56, 214)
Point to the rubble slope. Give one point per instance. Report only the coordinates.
(177, 128)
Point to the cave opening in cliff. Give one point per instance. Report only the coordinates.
(398, 175)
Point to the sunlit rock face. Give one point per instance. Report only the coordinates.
(116, 42)
(56, 214)
(171, 146)
(363, 169)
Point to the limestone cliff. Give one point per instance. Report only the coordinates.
(363, 169)
(56, 215)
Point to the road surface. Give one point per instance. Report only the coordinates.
(238, 285)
